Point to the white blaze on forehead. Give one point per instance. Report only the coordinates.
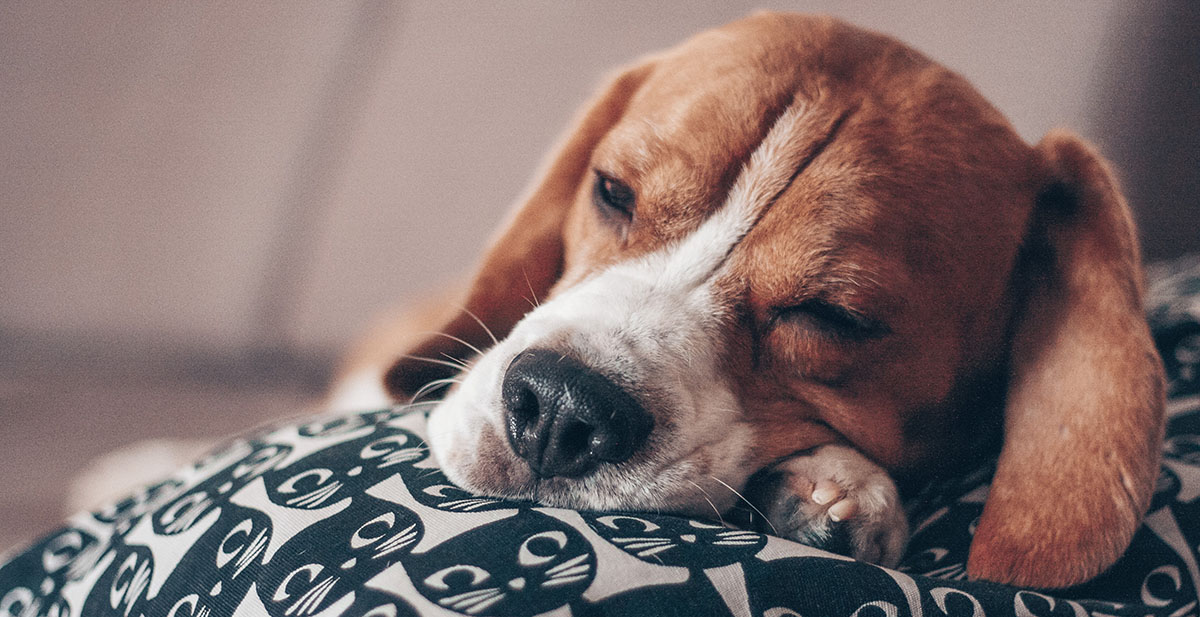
(797, 136)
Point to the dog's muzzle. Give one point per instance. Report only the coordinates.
(564, 418)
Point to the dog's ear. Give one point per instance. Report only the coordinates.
(1084, 412)
(526, 258)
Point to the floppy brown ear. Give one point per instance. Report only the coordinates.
(1084, 413)
(525, 259)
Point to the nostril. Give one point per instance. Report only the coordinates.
(524, 406)
(575, 439)
(525, 431)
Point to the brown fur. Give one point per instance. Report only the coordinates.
(1002, 272)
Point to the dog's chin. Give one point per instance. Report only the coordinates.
(478, 458)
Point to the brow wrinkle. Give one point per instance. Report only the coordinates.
(760, 185)
(814, 150)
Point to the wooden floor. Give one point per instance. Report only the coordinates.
(61, 407)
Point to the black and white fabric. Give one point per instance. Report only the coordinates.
(350, 516)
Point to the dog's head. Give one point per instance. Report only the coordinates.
(790, 232)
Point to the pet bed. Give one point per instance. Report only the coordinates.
(349, 515)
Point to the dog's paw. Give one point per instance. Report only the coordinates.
(833, 498)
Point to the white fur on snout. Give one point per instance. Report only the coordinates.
(659, 343)
(655, 325)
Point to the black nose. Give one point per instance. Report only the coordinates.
(565, 418)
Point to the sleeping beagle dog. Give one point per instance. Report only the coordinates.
(796, 250)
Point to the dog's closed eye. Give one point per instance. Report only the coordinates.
(830, 320)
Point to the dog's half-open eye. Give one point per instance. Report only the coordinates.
(612, 196)
(831, 320)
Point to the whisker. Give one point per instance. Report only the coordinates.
(631, 541)
(536, 303)
(456, 339)
(656, 550)
(422, 403)
(752, 506)
(479, 321)
(576, 571)
(453, 362)
(433, 385)
(466, 504)
(422, 406)
(459, 361)
(470, 598)
(710, 503)
(484, 604)
(567, 565)
(556, 582)
(637, 546)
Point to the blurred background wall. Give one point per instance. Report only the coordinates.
(202, 203)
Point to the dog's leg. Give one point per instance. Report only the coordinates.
(117, 474)
(835, 499)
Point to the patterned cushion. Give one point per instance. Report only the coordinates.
(349, 515)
